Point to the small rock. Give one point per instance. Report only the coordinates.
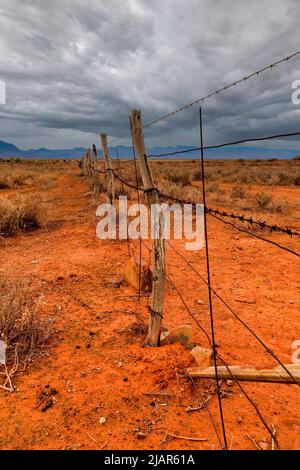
(203, 356)
(182, 334)
(102, 420)
(239, 420)
(133, 268)
(263, 444)
(141, 435)
(200, 302)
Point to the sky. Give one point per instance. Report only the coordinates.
(74, 69)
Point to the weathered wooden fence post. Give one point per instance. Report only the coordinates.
(85, 164)
(89, 162)
(97, 184)
(158, 244)
(108, 169)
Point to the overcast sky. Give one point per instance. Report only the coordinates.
(73, 69)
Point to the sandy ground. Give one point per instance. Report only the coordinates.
(97, 359)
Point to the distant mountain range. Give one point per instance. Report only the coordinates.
(10, 150)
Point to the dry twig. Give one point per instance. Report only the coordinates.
(175, 436)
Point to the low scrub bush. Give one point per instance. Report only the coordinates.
(21, 214)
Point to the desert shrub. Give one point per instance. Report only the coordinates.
(239, 192)
(21, 329)
(179, 178)
(21, 214)
(246, 178)
(3, 183)
(210, 175)
(186, 193)
(264, 177)
(297, 181)
(14, 179)
(197, 175)
(213, 187)
(264, 202)
(284, 179)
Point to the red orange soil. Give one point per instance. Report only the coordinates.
(97, 360)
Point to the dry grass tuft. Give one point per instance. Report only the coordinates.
(239, 192)
(46, 182)
(182, 178)
(14, 178)
(21, 329)
(21, 214)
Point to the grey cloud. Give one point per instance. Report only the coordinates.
(74, 69)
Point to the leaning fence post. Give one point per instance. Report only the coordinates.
(158, 243)
(97, 184)
(108, 169)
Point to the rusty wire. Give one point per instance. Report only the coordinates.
(216, 92)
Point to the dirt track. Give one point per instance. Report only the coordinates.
(97, 360)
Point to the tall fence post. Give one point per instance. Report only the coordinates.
(158, 243)
(97, 184)
(108, 169)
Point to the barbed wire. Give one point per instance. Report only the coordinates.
(126, 183)
(278, 245)
(226, 144)
(216, 92)
(214, 212)
(261, 224)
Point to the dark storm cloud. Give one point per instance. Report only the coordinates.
(74, 69)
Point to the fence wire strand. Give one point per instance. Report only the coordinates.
(236, 316)
(220, 90)
(226, 144)
(209, 286)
